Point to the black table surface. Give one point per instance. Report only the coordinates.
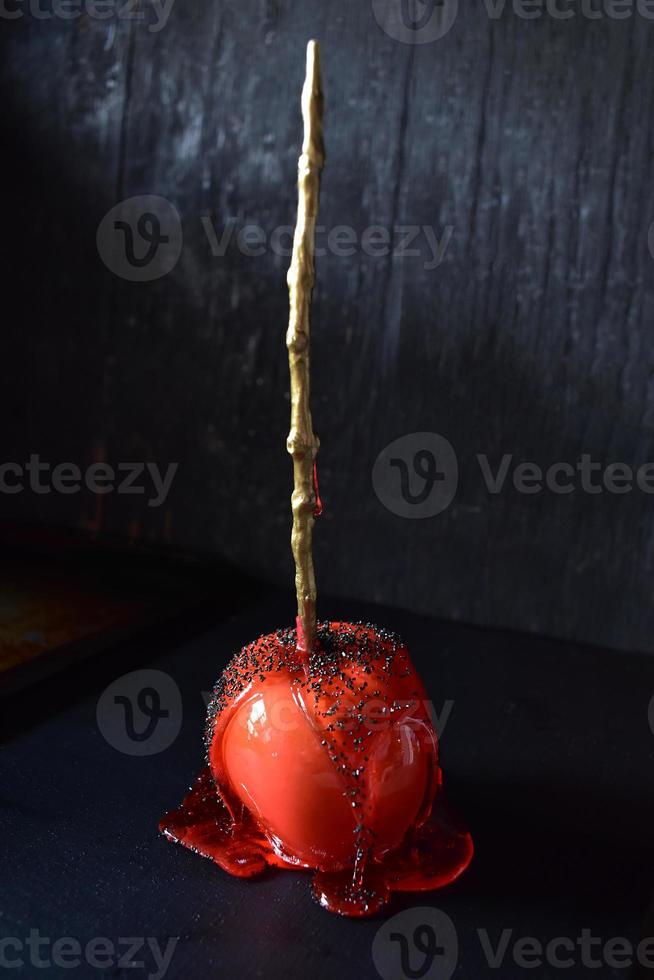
(548, 750)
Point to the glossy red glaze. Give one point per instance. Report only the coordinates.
(336, 771)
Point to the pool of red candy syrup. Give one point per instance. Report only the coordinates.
(329, 764)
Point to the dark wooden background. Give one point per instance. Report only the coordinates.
(531, 138)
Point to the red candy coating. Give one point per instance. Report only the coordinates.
(335, 770)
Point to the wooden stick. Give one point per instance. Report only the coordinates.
(302, 443)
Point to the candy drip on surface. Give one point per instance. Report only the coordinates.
(335, 772)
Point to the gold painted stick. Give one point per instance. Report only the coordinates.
(302, 443)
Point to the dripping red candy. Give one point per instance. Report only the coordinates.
(317, 510)
(335, 770)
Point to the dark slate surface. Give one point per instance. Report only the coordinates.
(547, 749)
(531, 138)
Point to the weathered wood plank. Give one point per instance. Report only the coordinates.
(530, 139)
